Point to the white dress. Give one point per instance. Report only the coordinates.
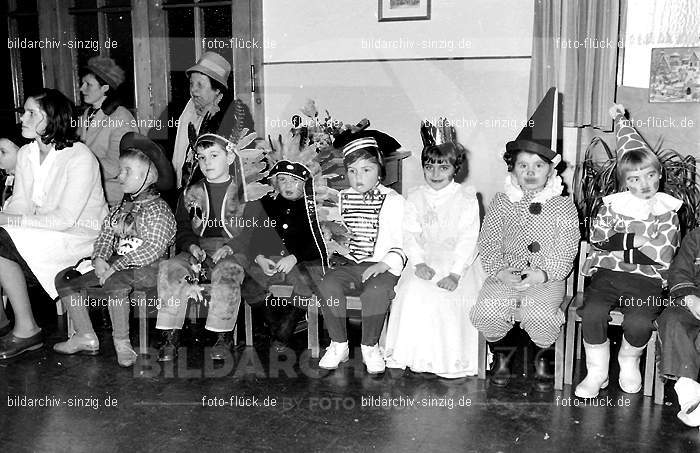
(62, 206)
(429, 328)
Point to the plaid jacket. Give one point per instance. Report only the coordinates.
(155, 226)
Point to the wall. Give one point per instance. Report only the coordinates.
(328, 51)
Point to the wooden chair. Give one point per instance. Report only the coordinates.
(558, 345)
(574, 338)
(146, 310)
(312, 334)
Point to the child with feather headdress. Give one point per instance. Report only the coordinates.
(212, 233)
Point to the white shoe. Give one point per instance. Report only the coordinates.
(688, 392)
(597, 364)
(630, 378)
(372, 358)
(126, 356)
(335, 354)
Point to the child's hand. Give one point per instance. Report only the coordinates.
(286, 264)
(640, 240)
(692, 303)
(374, 270)
(100, 266)
(424, 271)
(510, 276)
(616, 109)
(268, 266)
(197, 252)
(108, 273)
(449, 283)
(533, 277)
(223, 252)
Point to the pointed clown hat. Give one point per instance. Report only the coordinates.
(542, 134)
(233, 131)
(627, 137)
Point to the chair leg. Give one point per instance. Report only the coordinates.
(579, 344)
(143, 322)
(649, 366)
(312, 330)
(659, 388)
(559, 360)
(482, 356)
(248, 325)
(570, 346)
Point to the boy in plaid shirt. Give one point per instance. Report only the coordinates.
(134, 236)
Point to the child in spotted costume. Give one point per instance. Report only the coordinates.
(634, 238)
(528, 243)
(134, 237)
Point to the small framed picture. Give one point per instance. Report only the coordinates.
(393, 10)
(674, 74)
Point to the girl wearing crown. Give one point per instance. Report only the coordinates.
(429, 329)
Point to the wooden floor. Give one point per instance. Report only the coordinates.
(255, 401)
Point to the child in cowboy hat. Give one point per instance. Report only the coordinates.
(134, 237)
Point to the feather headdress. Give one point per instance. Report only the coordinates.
(234, 132)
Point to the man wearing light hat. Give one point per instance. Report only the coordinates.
(208, 87)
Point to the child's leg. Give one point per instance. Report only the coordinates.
(225, 299)
(600, 297)
(73, 294)
(541, 316)
(172, 290)
(641, 304)
(492, 314)
(678, 329)
(118, 287)
(377, 294)
(333, 302)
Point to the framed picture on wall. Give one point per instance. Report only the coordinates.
(675, 74)
(393, 10)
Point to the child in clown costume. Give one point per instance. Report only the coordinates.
(527, 244)
(633, 238)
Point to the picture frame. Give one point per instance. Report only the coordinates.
(401, 10)
(674, 75)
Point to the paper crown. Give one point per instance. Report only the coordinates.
(542, 134)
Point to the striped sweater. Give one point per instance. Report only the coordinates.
(375, 225)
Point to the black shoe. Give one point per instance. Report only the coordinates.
(222, 347)
(168, 348)
(544, 379)
(12, 346)
(500, 373)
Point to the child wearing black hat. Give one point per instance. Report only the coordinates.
(373, 214)
(286, 246)
(212, 235)
(134, 237)
(527, 244)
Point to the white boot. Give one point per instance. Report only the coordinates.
(597, 363)
(335, 354)
(688, 392)
(628, 358)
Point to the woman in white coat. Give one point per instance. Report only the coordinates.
(54, 215)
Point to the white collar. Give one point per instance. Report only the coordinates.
(552, 189)
(631, 206)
